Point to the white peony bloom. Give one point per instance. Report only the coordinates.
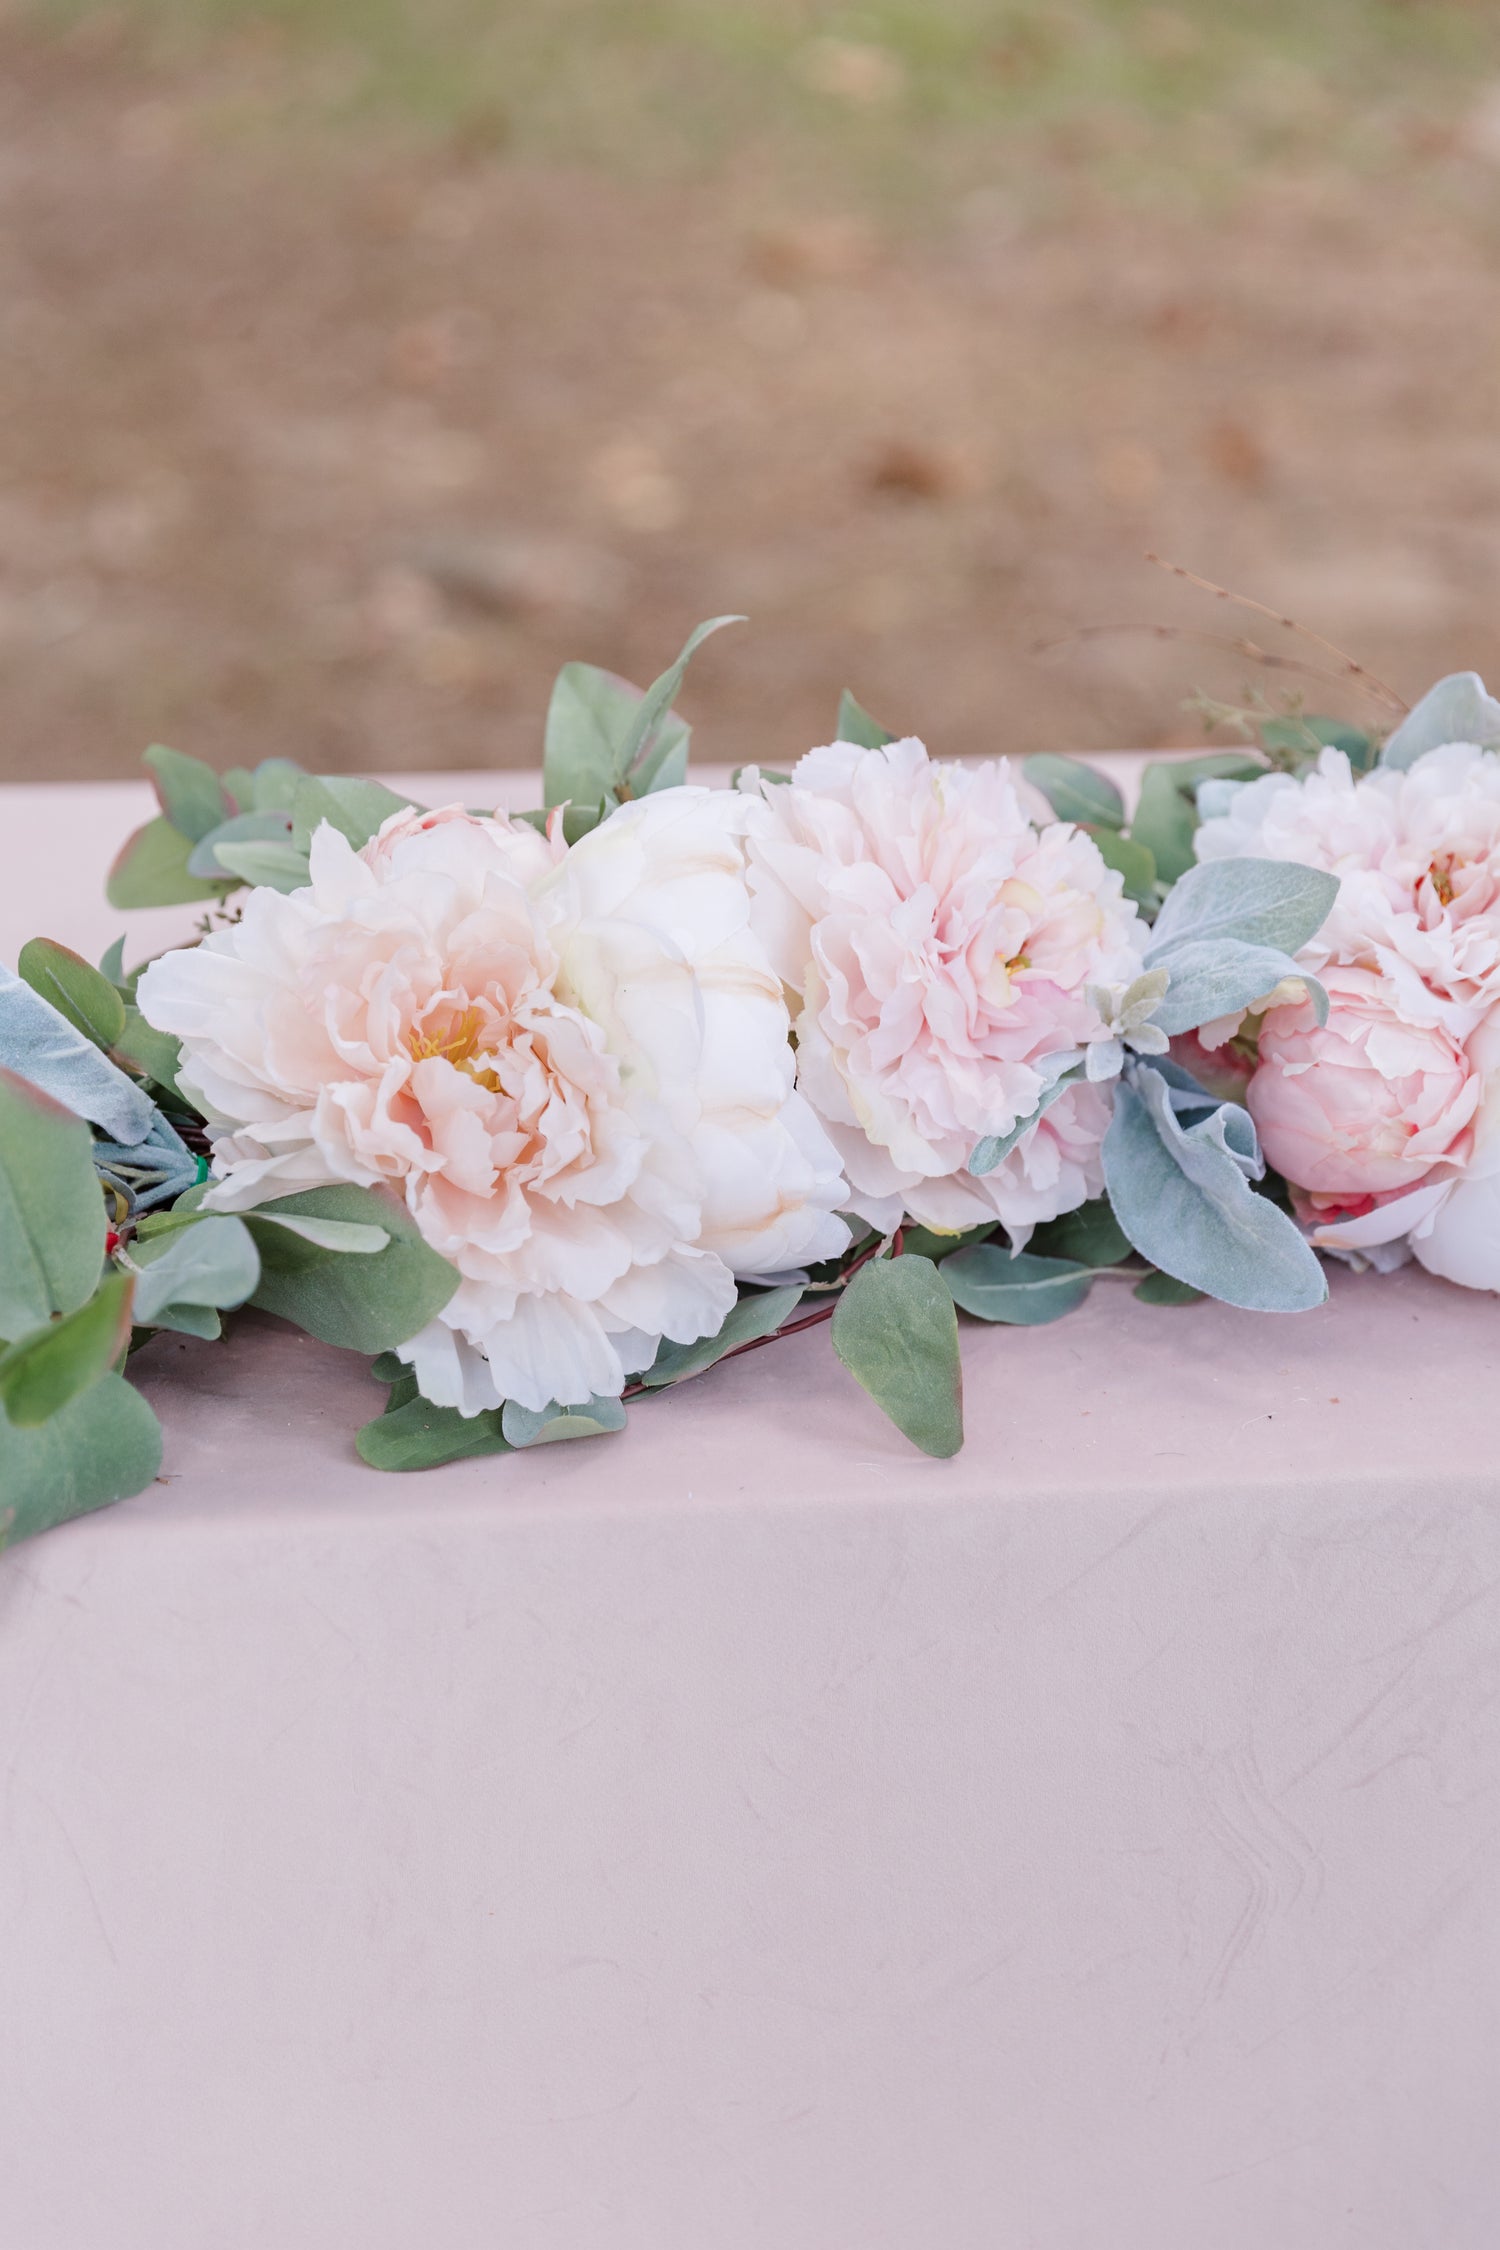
(573, 1064)
(950, 955)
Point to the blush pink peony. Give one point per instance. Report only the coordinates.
(943, 937)
(1388, 1118)
(572, 1064)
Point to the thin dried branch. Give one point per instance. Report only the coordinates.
(1237, 644)
(1352, 668)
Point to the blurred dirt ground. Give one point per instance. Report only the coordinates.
(336, 443)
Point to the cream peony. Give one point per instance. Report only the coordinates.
(573, 1065)
(1389, 1117)
(942, 946)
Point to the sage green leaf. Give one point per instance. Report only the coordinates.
(1310, 734)
(896, 1331)
(42, 1046)
(588, 723)
(1458, 709)
(103, 1446)
(1166, 816)
(986, 1154)
(1164, 1289)
(387, 1367)
(644, 736)
(270, 866)
(274, 785)
(151, 869)
(934, 1243)
(1129, 859)
(81, 993)
(353, 1238)
(189, 1320)
(112, 965)
(600, 1417)
(419, 1435)
(755, 1315)
(356, 808)
(1075, 791)
(1091, 1235)
(1214, 977)
(52, 1224)
(1023, 1291)
(855, 725)
(190, 793)
(368, 1303)
(1266, 902)
(274, 827)
(41, 1372)
(155, 1054)
(212, 1262)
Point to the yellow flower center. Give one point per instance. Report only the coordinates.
(457, 1044)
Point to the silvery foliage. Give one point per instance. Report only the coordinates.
(40, 1045)
(1458, 709)
(1127, 1011)
(155, 1169)
(1178, 1167)
(1227, 935)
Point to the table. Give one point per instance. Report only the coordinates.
(755, 1836)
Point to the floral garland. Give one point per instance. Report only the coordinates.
(548, 1113)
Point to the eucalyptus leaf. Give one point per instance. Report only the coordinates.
(1075, 791)
(353, 1238)
(270, 866)
(41, 1372)
(599, 1417)
(755, 1315)
(112, 965)
(855, 725)
(104, 1446)
(1458, 709)
(1024, 1291)
(242, 828)
(356, 808)
(1178, 1167)
(368, 1303)
(52, 1224)
(39, 1044)
(1163, 1289)
(273, 785)
(896, 1331)
(1310, 733)
(1092, 1235)
(1166, 813)
(155, 1054)
(201, 1321)
(1129, 859)
(84, 995)
(936, 1244)
(419, 1435)
(212, 1262)
(643, 737)
(588, 723)
(151, 869)
(190, 793)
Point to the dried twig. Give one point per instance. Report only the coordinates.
(1352, 668)
(1237, 644)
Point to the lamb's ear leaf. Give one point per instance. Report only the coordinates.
(895, 1330)
(44, 1047)
(1075, 791)
(41, 1373)
(1269, 902)
(52, 1225)
(1218, 977)
(992, 1151)
(88, 999)
(1458, 709)
(752, 1317)
(355, 807)
(1182, 1193)
(855, 725)
(599, 1417)
(418, 1435)
(368, 1302)
(151, 869)
(1025, 1292)
(190, 793)
(103, 1446)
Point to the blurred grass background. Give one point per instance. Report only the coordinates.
(366, 358)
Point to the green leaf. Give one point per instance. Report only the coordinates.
(1075, 791)
(896, 1331)
(353, 1237)
(151, 869)
(43, 1371)
(1309, 733)
(103, 1446)
(272, 866)
(600, 1417)
(419, 1435)
(588, 722)
(275, 783)
(211, 1262)
(356, 808)
(1128, 858)
(1163, 1289)
(855, 725)
(190, 1320)
(244, 828)
(40, 1045)
(366, 1303)
(931, 1242)
(645, 732)
(754, 1316)
(87, 998)
(1091, 1235)
(1026, 1292)
(1166, 817)
(112, 965)
(388, 1368)
(189, 792)
(987, 1154)
(51, 1211)
(1269, 902)
(156, 1054)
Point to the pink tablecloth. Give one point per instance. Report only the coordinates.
(748, 1835)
